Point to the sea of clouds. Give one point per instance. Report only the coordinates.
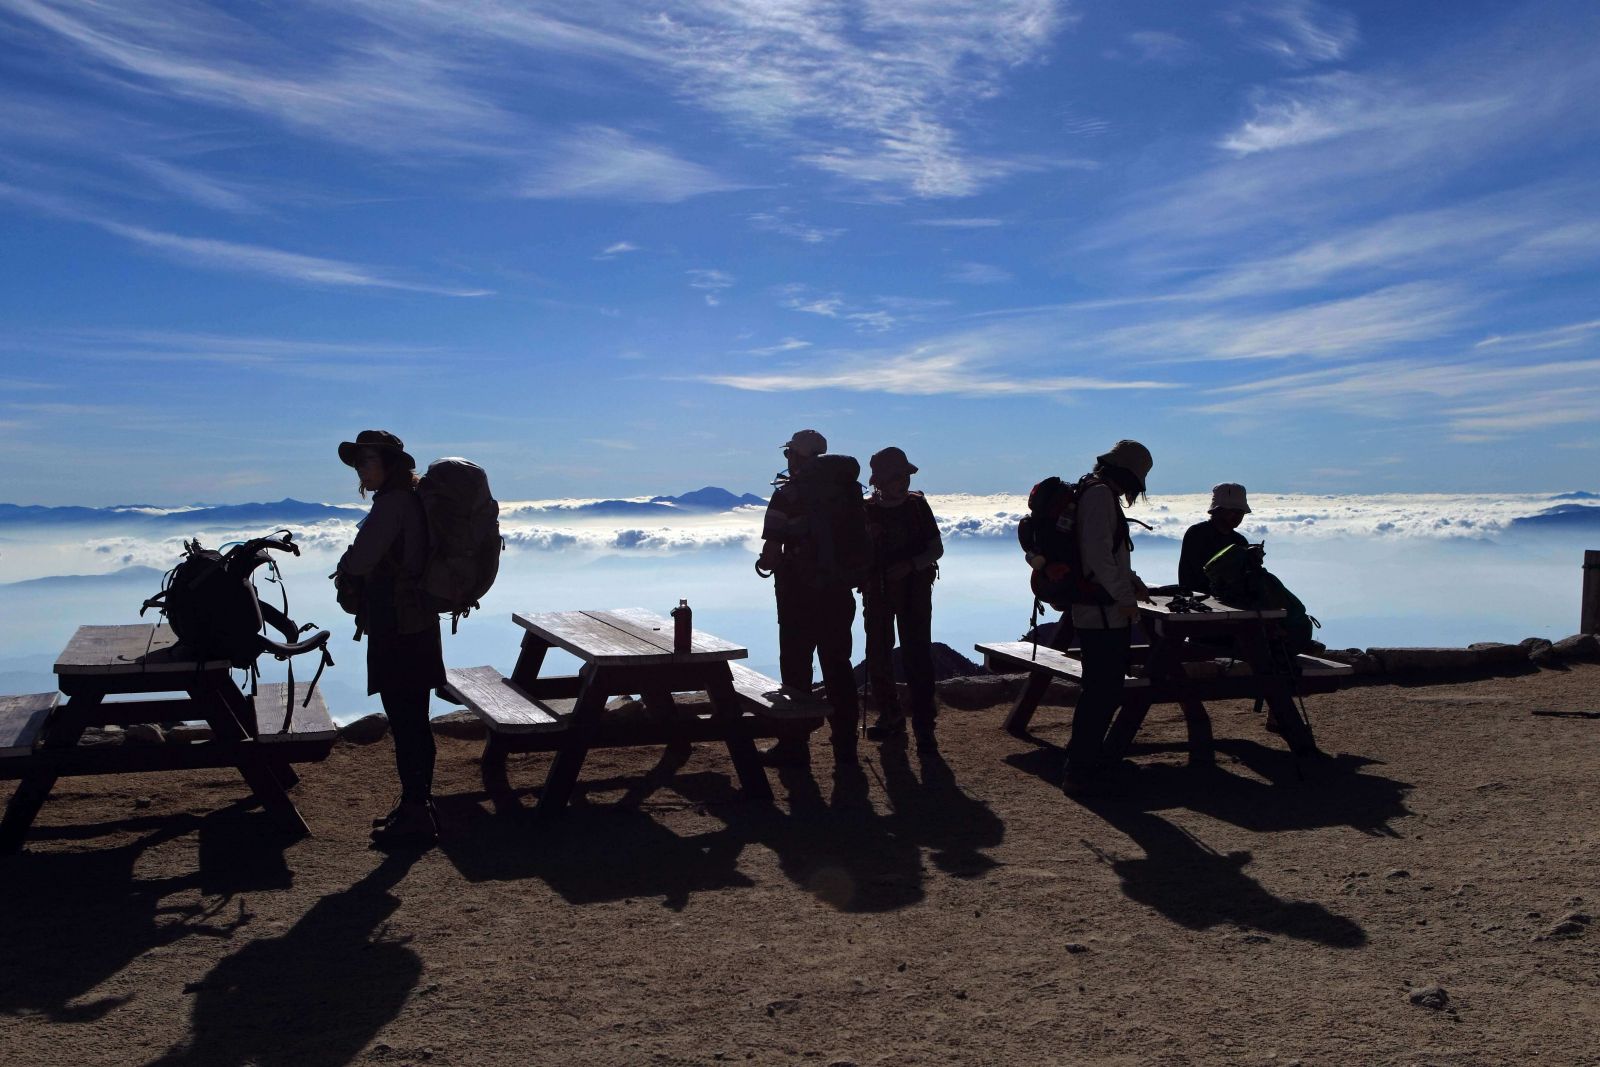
(1430, 569)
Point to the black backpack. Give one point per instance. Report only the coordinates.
(464, 542)
(833, 550)
(210, 601)
(1048, 534)
(1238, 576)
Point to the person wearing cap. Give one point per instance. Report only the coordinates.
(1205, 539)
(1104, 629)
(898, 594)
(816, 604)
(378, 576)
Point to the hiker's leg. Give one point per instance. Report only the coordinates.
(836, 614)
(1105, 663)
(915, 619)
(795, 640)
(407, 710)
(878, 618)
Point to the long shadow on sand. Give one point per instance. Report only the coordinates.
(73, 920)
(313, 997)
(1198, 887)
(839, 848)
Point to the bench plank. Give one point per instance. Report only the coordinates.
(502, 704)
(22, 718)
(752, 688)
(1021, 655)
(310, 723)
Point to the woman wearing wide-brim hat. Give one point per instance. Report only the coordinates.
(1104, 630)
(379, 578)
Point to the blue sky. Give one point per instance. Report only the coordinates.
(609, 247)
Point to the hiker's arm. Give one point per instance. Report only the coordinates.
(935, 544)
(1098, 533)
(373, 538)
(1192, 561)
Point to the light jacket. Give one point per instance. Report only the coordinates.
(1103, 544)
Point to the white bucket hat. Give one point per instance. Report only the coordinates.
(1229, 496)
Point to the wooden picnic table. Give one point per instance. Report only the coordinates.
(40, 736)
(625, 652)
(1201, 649)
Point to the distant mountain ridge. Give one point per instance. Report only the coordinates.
(278, 511)
(708, 499)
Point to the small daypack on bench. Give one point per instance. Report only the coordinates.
(1238, 576)
(464, 542)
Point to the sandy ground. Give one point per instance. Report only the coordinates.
(919, 912)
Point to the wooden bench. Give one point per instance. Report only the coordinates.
(22, 720)
(1010, 657)
(537, 724)
(310, 727)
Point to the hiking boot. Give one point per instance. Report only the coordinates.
(385, 820)
(887, 728)
(411, 827)
(1080, 786)
(786, 752)
(844, 751)
(926, 741)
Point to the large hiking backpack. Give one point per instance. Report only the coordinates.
(1048, 534)
(1238, 577)
(464, 542)
(833, 549)
(210, 601)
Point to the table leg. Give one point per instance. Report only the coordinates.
(1125, 727)
(495, 780)
(1021, 713)
(530, 660)
(65, 728)
(564, 769)
(227, 710)
(1202, 746)
(742, 750)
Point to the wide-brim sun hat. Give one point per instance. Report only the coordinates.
(890, 463)
(1229, 496)
(350, 451)
(1130, 456)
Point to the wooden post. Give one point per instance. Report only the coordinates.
(1590, 622)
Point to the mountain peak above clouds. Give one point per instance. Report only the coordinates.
(710, 498)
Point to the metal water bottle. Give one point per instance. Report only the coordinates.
(682, 628)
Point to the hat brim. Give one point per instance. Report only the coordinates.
(349, 453)
(899, 472)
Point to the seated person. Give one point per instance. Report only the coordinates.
(1205, 539)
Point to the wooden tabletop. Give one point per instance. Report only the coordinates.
(624, 636)
(1161, 610)
(139, 648)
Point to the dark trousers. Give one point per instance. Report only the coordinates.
(906, 605)
(1105, 664)
(407, 710)
(817, 621)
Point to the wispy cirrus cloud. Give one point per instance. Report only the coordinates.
(1339, 328)
(233, 255)
(788, 344)
(1471, 399)
(784, 221)
(711, 282)
(969, 363)
(601, 163)
(1296, 32)
(615, 249)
